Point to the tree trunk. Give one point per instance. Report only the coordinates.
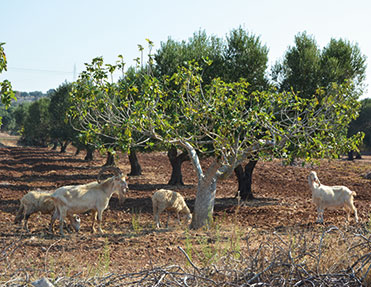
(110, 159)
(176, 164)
(245, 180)
(89, 154)
(204, 204)
(136, 169)
(358, 155)
(206, 188)
(350, 155)
(64, 146)
(55, 144)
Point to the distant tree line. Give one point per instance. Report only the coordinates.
(30, 96)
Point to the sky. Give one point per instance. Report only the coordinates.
(49, 41)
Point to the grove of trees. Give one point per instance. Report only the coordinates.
(212, 97)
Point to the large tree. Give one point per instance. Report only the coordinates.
(341, 61)
(300, 68)
(60, 128)
(37, 124)
(245, 57)
(208, 52)
(305, 67)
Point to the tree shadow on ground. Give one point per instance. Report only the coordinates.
(153, 187)
(230, 204)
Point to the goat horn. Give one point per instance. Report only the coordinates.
(114, 169)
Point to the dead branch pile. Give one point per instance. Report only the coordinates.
(332, 257)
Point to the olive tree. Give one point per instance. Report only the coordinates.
(200, 48)
(305, 67)
(300, 67)
(36, 129)
(245, 57)
(60, 129)
(342, 60)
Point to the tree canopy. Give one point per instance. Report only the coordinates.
(305, 67)
(6, 92)
(245, 57)
(60, 128)
(36, 126)
(200, 48)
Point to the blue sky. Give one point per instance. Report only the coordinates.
(46, 39)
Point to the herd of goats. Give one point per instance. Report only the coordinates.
(69, 201)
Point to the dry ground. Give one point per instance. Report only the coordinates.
(130, 242)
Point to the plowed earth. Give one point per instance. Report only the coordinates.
(283, 200)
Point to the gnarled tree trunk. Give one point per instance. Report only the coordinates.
(176, 161)
(64, 146)
(351, 155)
(136, 169)
(89, 154)
(55, 145)
(244, 178)
(110, 159)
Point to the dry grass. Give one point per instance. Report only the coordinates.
(8, 140)
(323, 256)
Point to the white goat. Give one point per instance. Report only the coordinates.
(171, 201)
(94, 196)
(324, 196)
(39, 201)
